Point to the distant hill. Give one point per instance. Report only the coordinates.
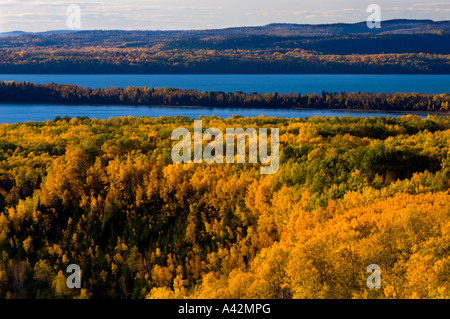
(402, 26)
(388, 27)
(403, 46)
(18, 33)
(398, 26)
(395, 36)
(11, 34)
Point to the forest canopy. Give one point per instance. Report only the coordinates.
(94, 60)
(104, 194)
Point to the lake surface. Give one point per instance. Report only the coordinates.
(24, 113)
(293, 83)
(299, 83)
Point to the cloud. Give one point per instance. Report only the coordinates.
(432, 4)
(33, 15)
(327, 13)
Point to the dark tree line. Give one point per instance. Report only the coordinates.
(15, 92)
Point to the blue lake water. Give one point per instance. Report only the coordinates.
(300, 83)
(295, 83)
(25, 113)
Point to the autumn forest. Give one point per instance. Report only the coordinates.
(401, 47)
(105, 194)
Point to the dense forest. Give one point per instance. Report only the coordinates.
(395, 36)
(200, 61)
(401, 46)
(25, 92)
(104, 194)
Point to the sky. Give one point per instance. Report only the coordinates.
(44, 15)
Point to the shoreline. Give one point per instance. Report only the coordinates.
(443, 113)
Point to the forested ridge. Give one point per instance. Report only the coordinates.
(105, 194)
(399, 47)
(201, 61)
(25, 92)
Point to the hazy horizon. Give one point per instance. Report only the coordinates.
(200, 29)
(45, 15)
